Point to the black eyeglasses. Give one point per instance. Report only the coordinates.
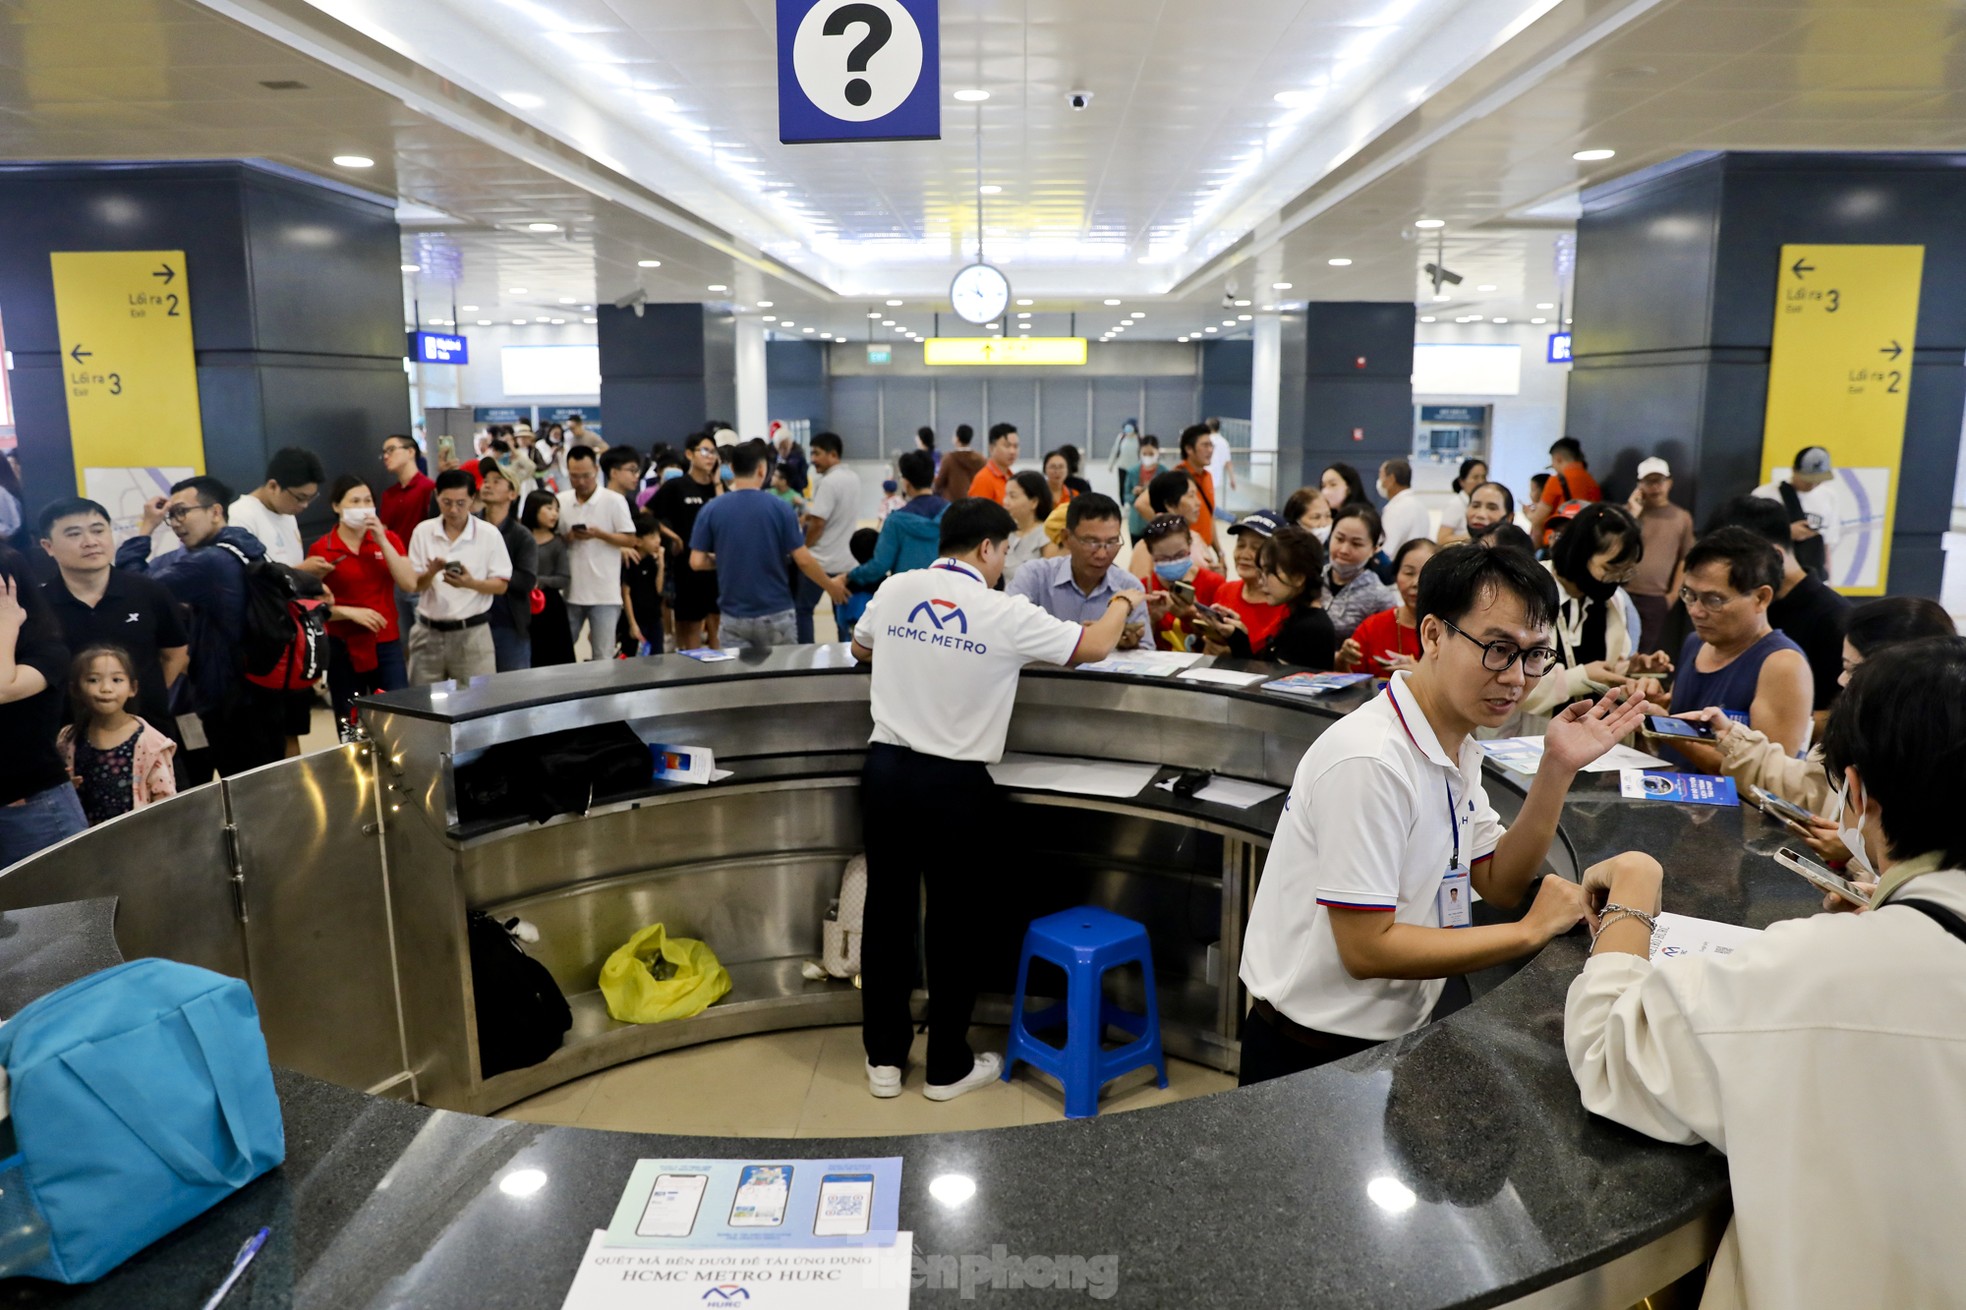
(1497, 656)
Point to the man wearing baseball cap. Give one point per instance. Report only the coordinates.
(1815, 508)
(1668, 533)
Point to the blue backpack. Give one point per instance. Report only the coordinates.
(141, 1097)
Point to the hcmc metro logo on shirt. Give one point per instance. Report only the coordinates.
(936, 631)
(955, 615)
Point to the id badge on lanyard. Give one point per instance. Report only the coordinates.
(1456, 890)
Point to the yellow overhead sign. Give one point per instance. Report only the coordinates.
(1839, 376)
(131, 378)
(1003, 350)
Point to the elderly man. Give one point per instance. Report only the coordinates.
(1080, 584)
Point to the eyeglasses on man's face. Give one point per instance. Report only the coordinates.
(1098, 544)
(179, 513)
(1498, 655)
(1706, 600)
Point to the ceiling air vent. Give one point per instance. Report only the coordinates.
(284, 84)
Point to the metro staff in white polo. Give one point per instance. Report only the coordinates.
(1363, 910)
(946, 650)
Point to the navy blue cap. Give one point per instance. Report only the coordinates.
(1264, 523)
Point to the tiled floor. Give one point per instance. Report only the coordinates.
(812, 1083)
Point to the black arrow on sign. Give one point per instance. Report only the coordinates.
(1893, 350)
(1799, 268)
(78, 354)
(167, 273)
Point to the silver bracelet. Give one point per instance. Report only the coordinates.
(1612, 913)
(1651, 920)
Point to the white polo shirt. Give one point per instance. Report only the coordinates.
(1404, 518)
(279, 533)
(479, 548)
(947, 652)
(595, 566)
(1366, 827)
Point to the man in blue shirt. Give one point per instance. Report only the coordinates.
(1081, 583)
(746, 536)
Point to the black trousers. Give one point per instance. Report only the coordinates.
(926, 820)
(1270, 1051)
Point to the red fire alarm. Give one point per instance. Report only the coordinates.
(1358, 434)
(1359, 362)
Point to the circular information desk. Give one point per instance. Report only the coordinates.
(1454, 1167)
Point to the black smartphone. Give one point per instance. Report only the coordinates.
(1772, 804)
(1664, 725)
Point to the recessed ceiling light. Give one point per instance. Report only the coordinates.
(1025, 314)
(718, 286)
(412, 268)
(808, 329)
(771, 318)
(1242, 318)
(354, 161)
(1339, 263)
(566, 300)
(648, 263)
(1296, 99)
(1026, 302)
(1138, 313)
(1442, 295)
(874, 314)
(1023, 327)
(1498, 320)
(518, 322)
(484, 322)
(590, 320)
(1539, 320)
(1279, 286)
(1180, 339)
(1592, 156)
(1544, 304)
(558, 321)
(1429, 224)
(972, 95)
(542, 227)
(516, 291)
(990, 189)
(542, 319)
(1112, 302)
(764, 304)
(1211, 329)
(894, 304)
(1486, 286)
(1428, 318)
(522, 99)
(996, 327)
(788, 323)
(1228, 322)
(1242, 304)
(467, 308)
(887, 322)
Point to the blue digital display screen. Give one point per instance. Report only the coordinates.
(439, 348)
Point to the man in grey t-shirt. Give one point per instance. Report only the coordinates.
(830, 521)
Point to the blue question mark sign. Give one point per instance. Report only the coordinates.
(853, 70)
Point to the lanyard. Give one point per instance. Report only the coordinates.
(1453, 826)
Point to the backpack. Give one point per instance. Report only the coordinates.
(522, 1014)
(840, 933)
(284, 638)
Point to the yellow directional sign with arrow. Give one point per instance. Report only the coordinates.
(131, 377)
(1846, 323)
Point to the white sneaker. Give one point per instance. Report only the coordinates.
(884, 1080)
(989, 1068)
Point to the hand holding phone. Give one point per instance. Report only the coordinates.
(1769, 803)
(1820, 877)
(1664, 725)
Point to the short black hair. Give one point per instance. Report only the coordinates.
(1507, 536)
(1901, 723)
(1375, 528)
(1149, 440)
(1751, 562)
(1166, 490)
(1537, 481)
(408, 442)
(690, 443)
(620, 457)
(1767, 519)
(998, 431)
(450, 480)
(535, 502)
(972, 521)
(1462, 577)
(863, 543)
(344, 484)
(646, 523)
(1034, 486)
(1190, 435)
(964, 434)
(1597, 527)
(830, 443)
(67, 508)
(1071, 454)
(1399, 471)
(746, 460)
(579, 452)
(292, 466)
(1568, 446)
(926, 435)
(917, 469)
(1094, 506)
(1890, 620)
(210, 490)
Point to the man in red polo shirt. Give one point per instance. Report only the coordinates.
(404, 505)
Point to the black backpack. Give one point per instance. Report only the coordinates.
(284, 638)
(522, 1016)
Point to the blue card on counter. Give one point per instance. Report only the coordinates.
(707, 654)
(1316, 684)
(1687, 788)
(745, 1203)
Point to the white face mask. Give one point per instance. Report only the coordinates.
(1853, 838)
(1323, 534)
(357, 518)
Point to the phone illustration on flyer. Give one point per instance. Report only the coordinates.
(846, 1205)
(763, 1190)
(672, 1205)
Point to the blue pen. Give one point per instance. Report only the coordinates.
(239, 1263)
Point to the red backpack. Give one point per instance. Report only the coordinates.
(284, 638)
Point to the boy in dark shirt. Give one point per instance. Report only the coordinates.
(640, 629)
(862, 544)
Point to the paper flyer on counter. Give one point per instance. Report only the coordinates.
(1316, 684)
(677, 1204)
(1686, 788)
(833, 1278)
(1679, 934)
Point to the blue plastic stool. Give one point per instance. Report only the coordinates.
(1085, 942)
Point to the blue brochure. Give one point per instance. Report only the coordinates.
(1687, 788)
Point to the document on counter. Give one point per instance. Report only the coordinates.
(707, 654)
(1222, 677)
(1686, 788)
(1525, 755)
(799, 1278)
(1237, 793)
(707, 1204)
(1076, 776)
(1315, 684)
(1681, 934)
(1142, 663)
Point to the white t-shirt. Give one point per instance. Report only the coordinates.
(1365, 827)
(947, 654)
(479, 548)
(279, 533)
(1823, 504)
(595, 565)
(1404, 518)
(1218, 466)
(836, 498)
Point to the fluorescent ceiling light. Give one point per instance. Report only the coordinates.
(354, 161)
(989, 190)
(412, 268)
(895, 304)
(875, 314)
(808, 329)
(522, 99)
(590, 320)
(1112, 302)
(764, 304)
(1211, 329)
(467, 308)
(1429, 224)
(1539, 320)
(718, 286)
(1243, 318)
(1544, 304)
(648, 263)
(1592, 156)
(1138, 313)
(1498, 320)
(1442, 295)
(1026, 302)
(516, 291)
(887, 322)
(788, 323)
(542, 227)
(1279, 286)
(484, 322)
(1428, 318)
(1242, 304)
(1025, 314)
(518, 322)
(1339, 263)
(566, 300)
(771, 318)
(972, 95)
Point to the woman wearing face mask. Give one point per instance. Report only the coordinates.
(1388, 641)
(1490, 505)
(1342, 486)
(1355, 590)
(1308, 509)
(1028, 499)
(1135, 476)
(1824, 1058)
(1290, 562)
(365, 564)
(1175, 585)
(1453, 519)
(1748, 757)
(1594, 557)
(1174, 492)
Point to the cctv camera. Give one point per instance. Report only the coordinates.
(1079, 99)
(632, 300)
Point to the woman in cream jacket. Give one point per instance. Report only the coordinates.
(1596, 555)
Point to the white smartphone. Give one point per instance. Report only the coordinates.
(1819, 876)
(846, 1205)
(762, 1193)
(1780, 808)
(672, 1206)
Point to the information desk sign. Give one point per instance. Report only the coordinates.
(129, 373)
(1846, 324)
(439, 348)
(859, 70)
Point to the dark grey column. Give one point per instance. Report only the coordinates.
(1347, 383)
(666, 371)
(1226, 368)
(1676, 275)
(296, 308)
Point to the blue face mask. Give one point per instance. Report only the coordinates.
(1173, 570)
(725, 475)
(671, 473)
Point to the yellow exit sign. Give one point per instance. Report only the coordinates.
(1066, 351)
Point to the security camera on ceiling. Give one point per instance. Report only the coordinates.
(1078, 100)
(1440, 275)
(633, 300)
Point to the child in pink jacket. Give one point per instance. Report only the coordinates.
(117, 761)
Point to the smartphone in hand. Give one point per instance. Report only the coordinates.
(1822, 878)
(1664, 725)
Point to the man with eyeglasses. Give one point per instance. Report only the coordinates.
(240, 727)
(1362, 914)
(1079, 585)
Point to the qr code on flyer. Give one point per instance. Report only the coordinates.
(844, 1205)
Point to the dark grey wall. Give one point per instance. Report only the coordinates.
(1347, 386)
(296, 308)
(666, 372)
(796, 382)
(1227, 370)
(1675, 307)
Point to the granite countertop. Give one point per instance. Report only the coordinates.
(1292, 1193)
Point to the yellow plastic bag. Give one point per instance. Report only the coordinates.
(635, 995)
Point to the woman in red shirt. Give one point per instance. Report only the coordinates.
(1174, 583)
(1056, 469)
(1390, 639)
(366, 566)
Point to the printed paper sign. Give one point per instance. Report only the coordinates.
(700, 1204)
(1687, 788)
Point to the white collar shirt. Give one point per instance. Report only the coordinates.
(595, 566)
(1404, 518)
(1374, 817)
(479, 548)
(947, 654)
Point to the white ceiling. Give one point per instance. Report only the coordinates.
(1463, 110)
